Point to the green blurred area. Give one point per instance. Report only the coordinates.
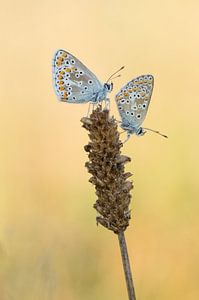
(50, 246)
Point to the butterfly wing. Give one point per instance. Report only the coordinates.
(73, 81)
(133, 100)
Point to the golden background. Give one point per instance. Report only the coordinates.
(50, 247)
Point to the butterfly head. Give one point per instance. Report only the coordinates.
(140, 131)
(108, 87)
(133, 130)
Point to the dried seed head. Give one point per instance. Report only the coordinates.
(106, 164)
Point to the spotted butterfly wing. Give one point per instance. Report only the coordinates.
(133, 101)
(73, 81)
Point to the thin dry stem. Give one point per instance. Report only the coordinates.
(126, 266)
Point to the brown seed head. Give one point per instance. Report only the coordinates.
(106, 164)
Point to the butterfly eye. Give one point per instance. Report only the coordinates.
(74, 98)
(132, 113)
(80, 83)
(120, 107)
(83, 92)
(69, 93)
(127, 112)
(140, 79)
(77, 75)
(68, 75)
(138, 116)
(72, 61)
(90, 82)
(135, 81)
(81, 72)
(134, 107)
(143, 105)
(69, 88)
(122, 101)
(127, 101)
(86, 88)
(138, 96)
(67, 62)
(139, 105)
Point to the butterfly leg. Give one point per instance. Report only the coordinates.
(127, 138)
(89, 108)
(93, 106)
(107, 104)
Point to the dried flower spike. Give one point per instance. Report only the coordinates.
(106, 164)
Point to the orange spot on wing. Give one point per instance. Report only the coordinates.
(65, 96)
(126, 94)
(74, 69)
(68, 70)
(61, 88)
(119, 97)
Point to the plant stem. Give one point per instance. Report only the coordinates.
(126, 266)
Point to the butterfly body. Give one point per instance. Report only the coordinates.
(74, 82)
(132, 130)
(133, 102)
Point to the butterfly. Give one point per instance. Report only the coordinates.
(133, 103)
(74, 82)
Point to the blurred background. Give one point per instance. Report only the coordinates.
(50, 246)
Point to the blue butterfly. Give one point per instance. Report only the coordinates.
(74, 82)
(133, 103)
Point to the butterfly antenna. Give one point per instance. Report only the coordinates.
(156, 132)
(114, 74)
